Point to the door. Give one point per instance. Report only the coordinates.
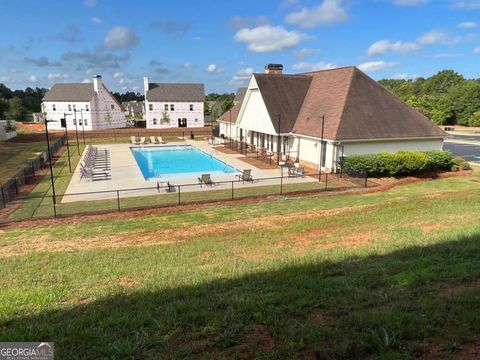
(182, 122)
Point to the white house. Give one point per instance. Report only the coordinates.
(88, 106)
(173, 105)
(228, 119)
(319, 117)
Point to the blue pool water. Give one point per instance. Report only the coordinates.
(177, 162)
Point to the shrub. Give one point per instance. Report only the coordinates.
(465, 166)
(400, 163)
(458, 161)
(439, 160)
(455, 168)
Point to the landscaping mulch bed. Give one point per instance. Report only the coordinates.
(258, 163)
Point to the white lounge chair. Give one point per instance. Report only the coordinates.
(153, 140)
(142, 141)
(160, 140)
(133, 140)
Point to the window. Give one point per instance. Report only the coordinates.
(191, 107)
(74, 122)
(80, 122)
(150, 107)
(85, 122)
(112, 107)
(69, 107)
(74, 108)
(154, 121)
(196, 120)
(166, 107)
(54, 108)
(86, 108)
(172, 107)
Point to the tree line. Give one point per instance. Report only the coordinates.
(447, 98)
(20, 104)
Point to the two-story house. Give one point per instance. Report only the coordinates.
(173, 105)
(86, 106)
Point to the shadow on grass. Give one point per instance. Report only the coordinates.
(391, 306)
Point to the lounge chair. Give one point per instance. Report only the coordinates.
(205, 179)
(142, 141)
(133, 140)
(246, 175)
(160, 140)
(295, 171)
(153, 140)
(170, 187)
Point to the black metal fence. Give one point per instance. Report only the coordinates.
(10, 189)
(166, 194)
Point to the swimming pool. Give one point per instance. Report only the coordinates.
(182, 161)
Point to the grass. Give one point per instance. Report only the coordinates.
(14, 156)
(389, 275)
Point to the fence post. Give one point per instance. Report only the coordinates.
(33, 169)
(54, 207)
(16, 185)
(232, 190)
(366, 179)
(281, 184)
(326, 181)
(3, 199)
(25, 175)
(179, 187)
(118, 200)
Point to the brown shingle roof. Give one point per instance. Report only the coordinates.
(284, 95)
(70, 92)
(176, 92)
(355, 106)
(231, 115)
(240, 95)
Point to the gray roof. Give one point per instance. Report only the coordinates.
(240, 94)
(176, 92)
(70, 92)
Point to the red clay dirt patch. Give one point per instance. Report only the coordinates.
(225, 150)
(439, 349)
(427, 229)
(452, 290)
(257, 340)
(126, 282)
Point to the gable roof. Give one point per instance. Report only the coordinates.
(283, 95)
(240, 95)
(175, 92)
(231, 115)
(70, 92)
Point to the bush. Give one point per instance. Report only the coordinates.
(400, 163)
(458, 161)
(465, 166)
(439, 160)
(455, 168)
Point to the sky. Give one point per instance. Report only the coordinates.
(221, 42)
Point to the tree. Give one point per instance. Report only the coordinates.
(165, 119)
(3, 107)
(474, 119)
(227, 104)
(15, 111)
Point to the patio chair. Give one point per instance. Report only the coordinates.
(142, 141)
(205, 179)
(170, 188)
(246, 175)
(133, 140)
(160, 140)
(153, 140)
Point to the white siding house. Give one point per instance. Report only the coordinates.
(320, 117)
(173, 105)
(88, 106)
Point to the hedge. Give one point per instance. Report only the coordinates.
(400, 163)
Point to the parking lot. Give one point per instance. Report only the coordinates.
(466, 146)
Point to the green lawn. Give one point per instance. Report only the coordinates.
(391, 275)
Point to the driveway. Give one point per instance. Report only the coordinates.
(466, 146)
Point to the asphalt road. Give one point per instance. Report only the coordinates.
(470, 152)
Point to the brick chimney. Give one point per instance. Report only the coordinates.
(276, 69)
(97, 81)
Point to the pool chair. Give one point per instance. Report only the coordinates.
(160, 140)
(133, 140)
(153, 140)
(246, 175)
(170, 188)
(142, 141)
(295, 171)
(205, 179)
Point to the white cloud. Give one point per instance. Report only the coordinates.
(410, 2)
(476, 51)
(269, 38)
(118, 75)
(57, 76)
(405, 76)
(120, 37)
(213, 69)
(436, 37)
(96, 20)
(86, 81)
(386, 46)
(468, 25)
(188, 65)
(89, 71)
(32, 78)
(90, 3)
(373, 66)
(302, 54)
(242, 76)
(466, 4)
(328, 12)
(306, 67)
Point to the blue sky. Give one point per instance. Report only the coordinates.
(220, 43)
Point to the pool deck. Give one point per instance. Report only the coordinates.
(126, 175)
